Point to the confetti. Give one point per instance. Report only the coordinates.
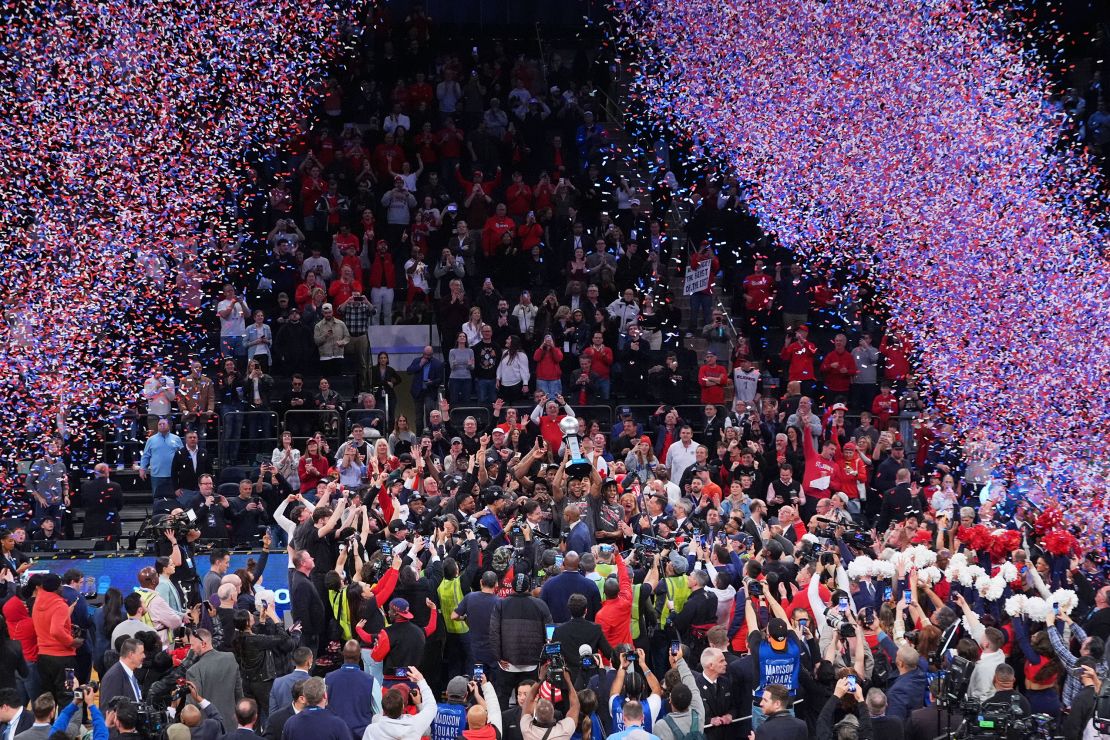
(918, 136)
(122, 151)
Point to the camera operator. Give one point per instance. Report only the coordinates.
(82, 696)
(1005, 697)
(212, 511)
(175, 542)
(126, 719)
(202, 717)
(248, 512)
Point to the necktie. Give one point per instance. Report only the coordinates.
(136, 689)
(3, 731)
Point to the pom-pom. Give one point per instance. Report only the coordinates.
(978, 538)
(1037, 608)
(1015, 605)
(861, 567)
(1067, 600)
(922, 557)
(1008, 572)
(929, 575)
(883, 569)
(1060, 543)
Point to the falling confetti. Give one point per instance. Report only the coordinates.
(920, 137)
(122, 146)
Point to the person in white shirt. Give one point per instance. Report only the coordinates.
(512, 373)
(318, 264)
(417, 273)
(990, 642)
(682, 454)
(745, 378)
(625, 309)
(525, 313)
(232, 310)
(396, 119)
(159, 394)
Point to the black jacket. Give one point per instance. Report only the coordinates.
(257, 651)
(307, 608)
(577, 632)
(185, 476)
(700, 609)
(276, 723)
(825, 722)
(517, 633)
(782, 726)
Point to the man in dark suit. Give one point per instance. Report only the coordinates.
(14, 719)
(281, 692)
(897, 502)
(427, 377)
(215, 674)
(580, 631)
(102, 499)
(276, 723)
(931, 721)
(189, 464)
(246, 717)
(305, 602)
(120, 679)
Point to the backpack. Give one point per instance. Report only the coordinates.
(884, 673)
(693, 734)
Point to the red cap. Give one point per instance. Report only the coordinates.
(646, 440)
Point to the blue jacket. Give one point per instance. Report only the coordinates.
(580, 539)
(350, 692)
(560, 588)
(906, 694)
(99, 726)
(158, 454)
(435, 377)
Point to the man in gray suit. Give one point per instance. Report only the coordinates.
(215, 674)
(205, 722)
(43, 709)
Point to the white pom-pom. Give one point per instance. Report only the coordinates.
(807, 537)
(1015, 605)
(983, 585)
(1067, 600)
(922, 557)
(860, 567)
(929, 576)
(1008, 572)
(958, 561)
(995, 589)
(882, 569)
(1037, 608)
(969, 575)
(888, 554)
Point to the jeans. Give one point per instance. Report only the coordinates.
(29, 687)
(458, 390)
(604, 387)
(359, 348)
(701, 305)
(233, 430)
(382, 298)
(162, 487)
(487, 390)
(552, 388)
(373, 668)
(233, 347)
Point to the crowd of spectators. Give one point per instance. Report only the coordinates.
(780, 544)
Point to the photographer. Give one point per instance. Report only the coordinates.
(630, 685)
(777, 654)
(176, 535)
(69, 718)
(248, 513)
(202, 717)
(825, 728)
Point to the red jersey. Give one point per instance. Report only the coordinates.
(896, 354)
(600, 360)
(712, 393)
(882, 408)
(758, 290)
(818, 468)
(837, 369)
(518, 200)
(492, 231)
(800, 355)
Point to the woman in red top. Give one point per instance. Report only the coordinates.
(303, 296)
(382, 461)
(342, 289)
(312, 467)
(1043, 670)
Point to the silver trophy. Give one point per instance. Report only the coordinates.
(578, 467)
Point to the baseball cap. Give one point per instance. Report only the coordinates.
(457, 688)
(897, 446)
(776, 632)
(498, 430)
(839, 407)
(396, 525)
(456, 440)
(625, 411)
(645, 439)
(400, 608)
(679, 563)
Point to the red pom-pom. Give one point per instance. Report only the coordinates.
(978, 538)
(1048, 520)
(1003, 542)
(1060, 542)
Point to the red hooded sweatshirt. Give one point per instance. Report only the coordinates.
(21, 628)
(52, 625)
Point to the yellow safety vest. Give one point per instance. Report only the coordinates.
(450, 594)
(604, 570)
(678, 590)
(636, 611)
(341, 608)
